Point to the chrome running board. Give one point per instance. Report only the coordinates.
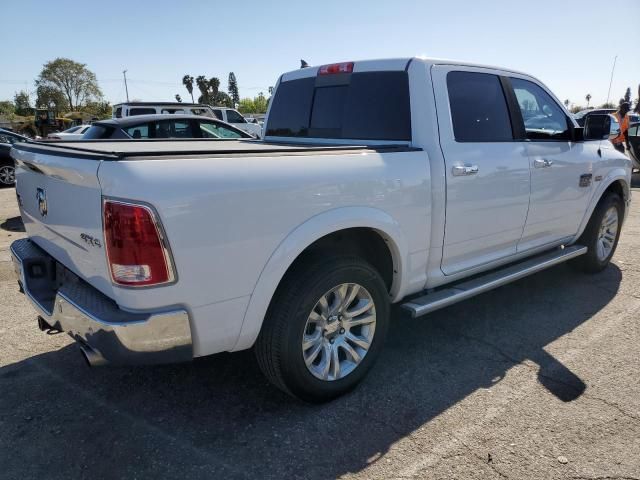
(488, 281)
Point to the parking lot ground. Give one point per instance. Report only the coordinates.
(535, 380)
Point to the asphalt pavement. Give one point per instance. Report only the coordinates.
(535, 380)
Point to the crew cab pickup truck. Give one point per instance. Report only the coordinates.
(417, 181)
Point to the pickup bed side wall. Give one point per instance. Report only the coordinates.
(226, 217)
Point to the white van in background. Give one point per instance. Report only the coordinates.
(228, 115)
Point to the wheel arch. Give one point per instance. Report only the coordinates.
(303, 238)
(616, 182)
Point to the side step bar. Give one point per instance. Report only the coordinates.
(470, 288)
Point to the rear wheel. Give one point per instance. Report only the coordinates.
(325, 328)
(601, 235)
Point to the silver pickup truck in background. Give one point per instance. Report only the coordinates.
(418, 181)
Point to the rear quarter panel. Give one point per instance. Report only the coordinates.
(225, 218)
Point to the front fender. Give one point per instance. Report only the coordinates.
(302, 237)
(615, 175)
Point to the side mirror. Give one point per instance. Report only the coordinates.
(601, 127)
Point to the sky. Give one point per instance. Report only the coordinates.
(568, 44)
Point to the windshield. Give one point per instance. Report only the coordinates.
(6, 137)
(366, 106)
(72, 130)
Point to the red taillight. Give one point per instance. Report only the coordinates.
(345, 67)
(135, 249)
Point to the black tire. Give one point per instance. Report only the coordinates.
(7, 174)
(279, 348)
(590, 262)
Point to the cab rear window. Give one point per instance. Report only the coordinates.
(358, 106)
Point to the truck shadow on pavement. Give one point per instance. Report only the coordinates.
(218, 418)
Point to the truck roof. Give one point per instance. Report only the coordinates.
(171, 104)
(400, 63)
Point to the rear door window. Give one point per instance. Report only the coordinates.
(141, 111)
(173, 129)
(234, 117)
(98, 132)
(139, 131)
(218, 114)
(358, 106)
(478, 108)
(218, 130)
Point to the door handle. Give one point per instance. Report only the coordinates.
(542, 163)
(464, 170)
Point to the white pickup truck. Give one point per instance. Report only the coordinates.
(406, 180)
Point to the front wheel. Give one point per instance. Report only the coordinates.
(7, 175)
(325, 328)
(601, 235)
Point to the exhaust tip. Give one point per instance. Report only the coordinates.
(92, 357)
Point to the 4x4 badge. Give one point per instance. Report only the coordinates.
(585, 180)
(41, 196)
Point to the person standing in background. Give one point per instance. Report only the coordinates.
(623, 119)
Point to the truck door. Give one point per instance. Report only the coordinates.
(634, 144)
(561, 170)
(487, 168)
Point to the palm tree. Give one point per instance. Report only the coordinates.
(178, 98)
(187, 81)
(588, 99)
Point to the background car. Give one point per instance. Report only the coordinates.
(73, 133)
(7, 169)
(145, 127)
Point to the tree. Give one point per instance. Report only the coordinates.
(187, 81)
(99, 110)
(214, 88)
(637, 109)
(7, 108)
(178, 98)
(210, 91)
(224, 100)
(246, 106)
(627, 95)
(49, 97)
(73, 79)
(566, 103)
(233, 89)
(260, 103)
(22, 103)
(588, 99)
(203, 86)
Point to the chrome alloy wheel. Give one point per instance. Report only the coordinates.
(607, 234)
(339, 331)
(7, 175)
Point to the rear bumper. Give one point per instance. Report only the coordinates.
(67, 303)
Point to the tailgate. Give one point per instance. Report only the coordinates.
(61, 206)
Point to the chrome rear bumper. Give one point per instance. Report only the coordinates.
(67, 303)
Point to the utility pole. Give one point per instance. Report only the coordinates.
(124, 72)
(611, 80)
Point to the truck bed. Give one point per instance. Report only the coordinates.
(123, 149)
